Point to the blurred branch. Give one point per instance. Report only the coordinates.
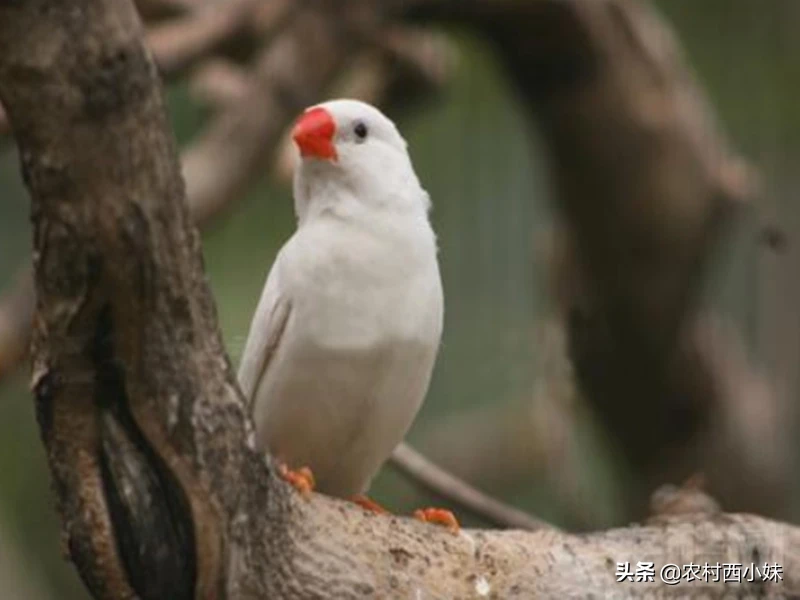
(186, 32)
(269, 17)
(688, 498)
(16, 317)
(644, 178)
(745, 451)
(160, 486)
(219, 82)
(647, 186)
(417, 62)
(402, 68)
(4, 125)
(180, 43)
(288, 74)
(534, 441)
(164, 9)
(442, 483)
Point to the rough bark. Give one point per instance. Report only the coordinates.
(288, 72)
(160, 488)
(229, 156)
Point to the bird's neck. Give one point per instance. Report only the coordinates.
(317, 198)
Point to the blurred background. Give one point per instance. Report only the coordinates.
(506, 410)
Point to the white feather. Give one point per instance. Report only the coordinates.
(344, 339)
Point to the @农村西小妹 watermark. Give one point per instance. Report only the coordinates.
(673, 574)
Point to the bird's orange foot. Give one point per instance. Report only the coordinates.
(369, 504)
(438, 516)
(302, 479)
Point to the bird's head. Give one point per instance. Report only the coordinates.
(350, 146)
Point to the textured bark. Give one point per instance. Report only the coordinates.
(131, 380)
(231, 153)
(160, 488)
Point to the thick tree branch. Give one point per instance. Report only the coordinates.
(161, 490)
(648, 187)
(231, 153)
(125, 448)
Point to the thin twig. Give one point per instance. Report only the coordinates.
(435, 479)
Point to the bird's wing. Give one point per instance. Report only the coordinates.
(266, 329)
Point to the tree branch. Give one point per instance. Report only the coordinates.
(400, 69)
(648, 187)
(288, 74)
(161, 490)
(219, 82)
(132, 446)
(231, 153)
(178, 44)
(435, 479)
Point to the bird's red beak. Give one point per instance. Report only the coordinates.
(313, 134)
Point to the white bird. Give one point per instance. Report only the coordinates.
(343, 343)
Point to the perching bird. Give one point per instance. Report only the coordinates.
(343, 342)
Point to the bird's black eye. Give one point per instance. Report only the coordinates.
(360, 129)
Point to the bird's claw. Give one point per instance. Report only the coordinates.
(302, 479)
(369, 504)
(438, 516)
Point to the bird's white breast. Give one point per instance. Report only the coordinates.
(355, 288)
(355, 361)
